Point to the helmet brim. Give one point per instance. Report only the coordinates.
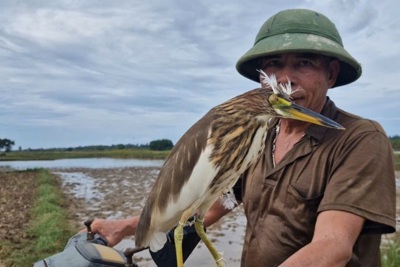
(248, 64)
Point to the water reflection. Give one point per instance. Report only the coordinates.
(95, 163)
(83, 184)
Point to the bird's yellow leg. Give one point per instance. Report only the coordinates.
(199, 226)
(178, 236)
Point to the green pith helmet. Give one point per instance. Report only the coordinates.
(299, 31)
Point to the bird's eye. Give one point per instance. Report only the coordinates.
(273, 98)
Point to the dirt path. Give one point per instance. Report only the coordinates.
(16, 200)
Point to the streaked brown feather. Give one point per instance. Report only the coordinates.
(171, 178)
(229, 128)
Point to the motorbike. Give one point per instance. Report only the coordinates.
(92, 250)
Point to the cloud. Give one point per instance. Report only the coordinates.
(105, 72)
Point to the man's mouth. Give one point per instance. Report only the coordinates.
(297, 96)
(297, 100)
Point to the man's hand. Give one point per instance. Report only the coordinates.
(114, 230)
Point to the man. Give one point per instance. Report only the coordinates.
(317, 196)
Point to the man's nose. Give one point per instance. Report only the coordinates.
(285, 75)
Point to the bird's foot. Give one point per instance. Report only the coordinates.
(178, 236)
(191, 220)
(221, 262)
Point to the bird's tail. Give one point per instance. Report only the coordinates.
(146, 236)
(142, 234)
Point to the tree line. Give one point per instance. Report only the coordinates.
(159, 145)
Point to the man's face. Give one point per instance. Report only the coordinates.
(310, 75)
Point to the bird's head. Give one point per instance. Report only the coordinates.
(282, 105)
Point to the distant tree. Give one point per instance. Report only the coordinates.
(159, 145)
(395, 140)
(120, 146)
(6, 145)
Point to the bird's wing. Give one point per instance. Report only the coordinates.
(189, 152)
(185, 175)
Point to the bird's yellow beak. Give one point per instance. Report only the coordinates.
(290, 110)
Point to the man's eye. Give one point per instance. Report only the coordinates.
(270, 63)
(305, 63)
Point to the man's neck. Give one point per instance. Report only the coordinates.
(293, 127)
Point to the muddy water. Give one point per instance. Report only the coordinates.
(91, 163)
(121, 192)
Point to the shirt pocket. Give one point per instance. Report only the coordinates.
(300, 216)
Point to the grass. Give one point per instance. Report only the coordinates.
(391, 255)
(397, 162)
(60, 154)
(49, 229)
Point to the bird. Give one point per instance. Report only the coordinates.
(209, 158)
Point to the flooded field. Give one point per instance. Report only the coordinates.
(121, 192)
(109, 189)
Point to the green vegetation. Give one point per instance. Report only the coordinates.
(161, 145)
(397, 161)
(391, 255)
(49, 229)
(395, 140)
(6, 144)
(65, 154)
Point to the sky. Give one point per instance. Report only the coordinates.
(99, 72)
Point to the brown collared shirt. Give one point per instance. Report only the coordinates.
(350, 170)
